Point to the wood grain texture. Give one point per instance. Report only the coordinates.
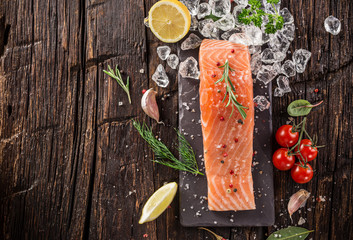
(73, 167)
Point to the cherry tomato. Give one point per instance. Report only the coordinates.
(282, 161)
(301, 174)
(308, 152)
(286, 137)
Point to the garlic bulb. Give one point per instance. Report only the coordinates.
(149, 104)
(297, 200)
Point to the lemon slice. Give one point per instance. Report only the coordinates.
(169, 20)
(158, 202)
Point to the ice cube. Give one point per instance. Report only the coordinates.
(300, 59)
(278, 92)
(192, 42)
(288, 68)
(254, 49)
(173, 61)
(277, 67)
(332, 25)
(287, 16)
(207, 29)
(160, 76)
(268, 7)
(278, 42)
(204, 10)
(240, 38)
(188, 68)
(241, 2)
(236, 11)
(256, 63)
(265, 36)
(163, 52)
(194, 24)
(254, 33)
(145, 21)
(192, 5)
(269, 56)
(261, 102)
(283, 83)
(288, 31)
(226, 23)
(203, 23)
(220, 7)
(266, 74)
(229, 33)
(215, 33)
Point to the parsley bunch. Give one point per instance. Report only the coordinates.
(255, 15)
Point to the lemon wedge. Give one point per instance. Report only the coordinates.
(158, 202)
(169, 20)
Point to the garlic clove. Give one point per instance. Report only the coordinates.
(149, 104)
(297, 200)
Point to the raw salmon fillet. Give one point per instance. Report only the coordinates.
(227, 140)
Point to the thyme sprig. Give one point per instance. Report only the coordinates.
(117, 76)
(230, 90)
(162, 154)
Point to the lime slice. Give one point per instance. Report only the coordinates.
(158, 202)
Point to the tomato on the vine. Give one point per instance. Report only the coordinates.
(302, 174)
(282, 161)
(306, 149)
(286, 137)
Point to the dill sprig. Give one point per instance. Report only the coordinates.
(117, 76)
(162, 154)
(230, 91)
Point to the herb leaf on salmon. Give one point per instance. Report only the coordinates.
(230, 90)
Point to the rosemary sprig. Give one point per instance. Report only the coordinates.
(162, 154)
(230, 90)
(117, 76)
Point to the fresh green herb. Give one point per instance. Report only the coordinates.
(300, 108)
(117, 76)
(162, 154)
(230, 90)
(292, 233)
(255, 15)
(213, 17)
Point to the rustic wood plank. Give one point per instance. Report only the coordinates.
(329, 72)
(65, 170)
(41, 85)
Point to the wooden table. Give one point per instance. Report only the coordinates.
(73, 167)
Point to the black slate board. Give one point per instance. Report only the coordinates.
(193, 209)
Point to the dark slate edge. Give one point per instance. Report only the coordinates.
(189, 205)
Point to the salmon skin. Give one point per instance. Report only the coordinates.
(227, 138)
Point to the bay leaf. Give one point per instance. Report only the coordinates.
(290, 233)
